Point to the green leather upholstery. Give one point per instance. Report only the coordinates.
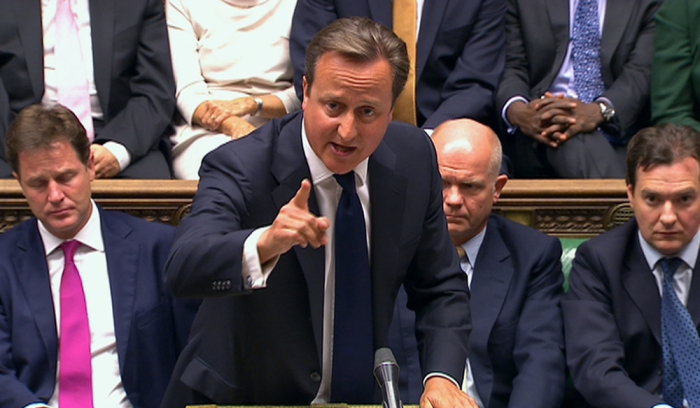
(568, 246)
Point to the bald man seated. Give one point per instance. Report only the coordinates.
(514, 273)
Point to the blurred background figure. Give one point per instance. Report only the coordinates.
(576, 85)
(108, 61)
(232, 70)
(675, 79)
(456, 48)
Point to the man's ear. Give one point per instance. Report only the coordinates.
(630, 195)
(501, 181)
(305, 87)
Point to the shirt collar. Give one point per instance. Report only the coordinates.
(90, 235)
(319, 171)
(689, 254)
(471, 247)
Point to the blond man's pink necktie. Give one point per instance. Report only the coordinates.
(72, 86)
(75, 372)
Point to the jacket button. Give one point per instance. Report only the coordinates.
(315, 376)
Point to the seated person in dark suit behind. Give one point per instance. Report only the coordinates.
(129, 95)
(575, 89)
(129, 331)
(267, 250)
(514, 274)
(626, 297)
(675, 79)
(460, 51)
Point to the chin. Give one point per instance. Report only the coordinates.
(63, 229)
(669, 249)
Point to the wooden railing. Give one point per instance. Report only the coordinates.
(565, 208)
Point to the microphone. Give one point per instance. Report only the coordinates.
(386, 371)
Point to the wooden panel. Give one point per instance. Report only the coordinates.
(565, 208)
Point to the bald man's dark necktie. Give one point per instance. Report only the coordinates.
(353, 351)
(679, 343)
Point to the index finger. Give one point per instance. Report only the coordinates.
(556, 103)
(301, 198)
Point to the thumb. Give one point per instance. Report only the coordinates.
(301, 198)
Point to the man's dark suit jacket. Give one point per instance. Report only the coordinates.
(612, 315)
(517, 340)
(265, 346)
(459, 56)
(675, 85)
(150, 328)
(133, 74)
(537, 33)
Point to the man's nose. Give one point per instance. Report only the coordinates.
(451, 196)
(55, 192)
(347, 128)
(668, 213)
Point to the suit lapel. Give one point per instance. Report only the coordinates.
(490, 281)
(641, 286)
(694, 295)
(122, 267)
(30, 263)
(617, 13)
(387, 191)
(558, 11)
(289, 168)
(102, 15)
(28, 18)
(433, 11)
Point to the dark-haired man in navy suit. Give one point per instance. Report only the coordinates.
(514, 274)
(616, 338)
(260, 247)
(131, 329)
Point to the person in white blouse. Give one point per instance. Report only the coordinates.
(232, 70)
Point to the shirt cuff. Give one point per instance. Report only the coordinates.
(189, 99)
(254, 274)
(42, 405)
(119, 151)
(511, 128)
(606, 100)
(430, 375)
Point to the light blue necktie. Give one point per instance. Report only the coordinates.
(680, 344)
(588, 80)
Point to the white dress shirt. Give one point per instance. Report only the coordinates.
(471, 249)
(90, 259)
(683, 276)
(81, 12)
